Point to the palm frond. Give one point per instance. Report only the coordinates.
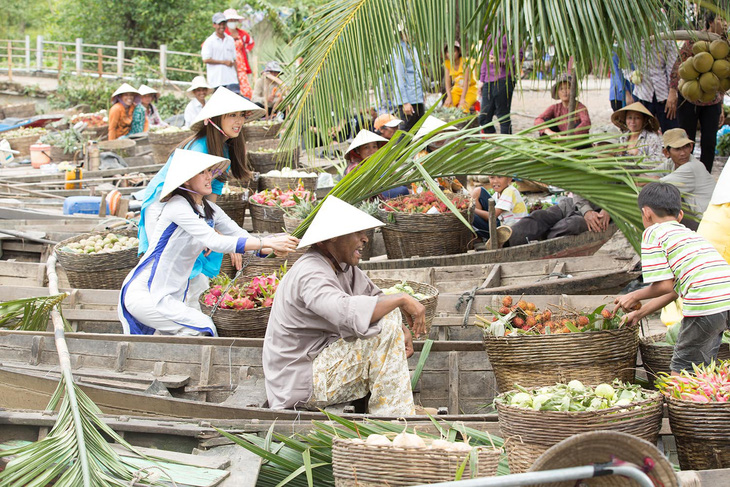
(31, 314)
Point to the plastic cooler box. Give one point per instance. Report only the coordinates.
(86, 205)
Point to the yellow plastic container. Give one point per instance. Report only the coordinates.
(74, 175)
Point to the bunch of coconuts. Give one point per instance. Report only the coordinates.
(706, 72)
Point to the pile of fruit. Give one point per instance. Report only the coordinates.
(523, 318)
(288, 172)
(170, 129)
(574, 396)
(262, 123)
(256, 293)
(24, 132)
(279, 197)
(425, 202)
(411, 441)
(538, 205)
(97, 119)
(98, 244)
(402, 287)
(708, 383)
(706, 72)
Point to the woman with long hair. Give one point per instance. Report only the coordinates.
(154, 293)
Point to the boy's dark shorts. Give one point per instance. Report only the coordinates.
(699, 340)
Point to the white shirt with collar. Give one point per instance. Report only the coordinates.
(693, 181)
(192, 111)
(221, 50)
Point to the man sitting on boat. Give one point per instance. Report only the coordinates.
(332, 335)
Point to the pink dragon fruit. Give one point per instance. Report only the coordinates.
(216, 291)
(210, 299)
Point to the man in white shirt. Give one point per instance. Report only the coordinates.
(219, 56)
(687, 173)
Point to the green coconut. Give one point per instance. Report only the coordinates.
(709, 82)
(707, 97)
(687, 70)
(725, 84)
(721, 68)
(703, 62)
(700, 46)
(719, 49)
(691, 90)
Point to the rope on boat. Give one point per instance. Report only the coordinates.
(468, 299)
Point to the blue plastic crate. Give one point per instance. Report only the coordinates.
(85, 205)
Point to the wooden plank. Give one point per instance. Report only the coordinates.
(454, 382)
(493, 277)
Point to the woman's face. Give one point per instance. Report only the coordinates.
(387, 132)
(146, 100)
(564, 92)
(127, 98)
(201, 183)
(499, 183)
(200, 94)
(635, 121)
(367, 150)
(231, 124)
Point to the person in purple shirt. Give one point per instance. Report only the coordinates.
(497, 88)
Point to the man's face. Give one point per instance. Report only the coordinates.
(220, 29)
(387, 132)
(200, 94)
(348, 248)
(679, 155)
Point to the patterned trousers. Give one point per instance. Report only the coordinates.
(348, 370)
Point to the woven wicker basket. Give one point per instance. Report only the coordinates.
(242, 323)
(122, 147)
(359, 465)
(430, 302)
(270, 182)
(164, 143)
(291, 224)
(702, 433)
(234, 204)
(97, 133)
(97, 271)
(591, 357)
(599, 447)
(264, 162)
(57, 154)
(657, 357)
(528, 433)
(262, 265)
(255, 132)
(266, 219)
(419, 234)
(22, 143)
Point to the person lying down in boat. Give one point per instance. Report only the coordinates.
(332, 335)
(153, 294)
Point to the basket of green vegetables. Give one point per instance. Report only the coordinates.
(533, 420)
(426, 294)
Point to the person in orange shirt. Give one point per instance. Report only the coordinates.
(126, 115)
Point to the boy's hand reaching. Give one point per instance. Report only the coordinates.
(631, 318)
(627, 302)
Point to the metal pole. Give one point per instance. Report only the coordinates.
(120, 59)
(559, 475)
(163, 63)
(39, 53)
(79, 56)
(27, 53)
(10, 61)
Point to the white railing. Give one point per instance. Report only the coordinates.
(86, 59)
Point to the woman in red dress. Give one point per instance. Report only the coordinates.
(244, 44)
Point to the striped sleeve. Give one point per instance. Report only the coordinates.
(654, 263)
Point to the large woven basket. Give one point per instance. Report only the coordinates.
(598, 447)
(246, 323)
(262, 265)
(270, 182)
(255, 132)
(290, 223)
(657, 356)
(264, 162)
(360, 465)
(164, 143)
(430, 302)
(234, 204)
(702, 433)
(22, 143)
(266, 219)
(591, 357)
(528, 433)
(419, 234)
(97, 271)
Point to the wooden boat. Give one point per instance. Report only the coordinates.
(586, 243)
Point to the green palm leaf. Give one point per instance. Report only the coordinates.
(30, 314)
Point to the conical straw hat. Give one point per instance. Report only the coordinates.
(186, 164)
(198, 82)
(125, 88)
(334, 219)
(619, 117)
(146, 90)
(429, 125)
(224, 101)
(363, 137)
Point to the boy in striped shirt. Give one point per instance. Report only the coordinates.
(678, 262)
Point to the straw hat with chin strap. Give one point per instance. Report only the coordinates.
(336, 218)
(125, 88)
(650, 121)
(198, 82)
(187, 164)
(146, 90)
(429, 125)
(363, 137)
(225, 101)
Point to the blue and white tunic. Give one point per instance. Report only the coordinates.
(153, 294)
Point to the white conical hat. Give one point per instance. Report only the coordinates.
(146, 90)
(364, 137)
(198, 82)
(334, 219)
(125, 88)
(186, 164)
(224, 101)
(429, 125)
